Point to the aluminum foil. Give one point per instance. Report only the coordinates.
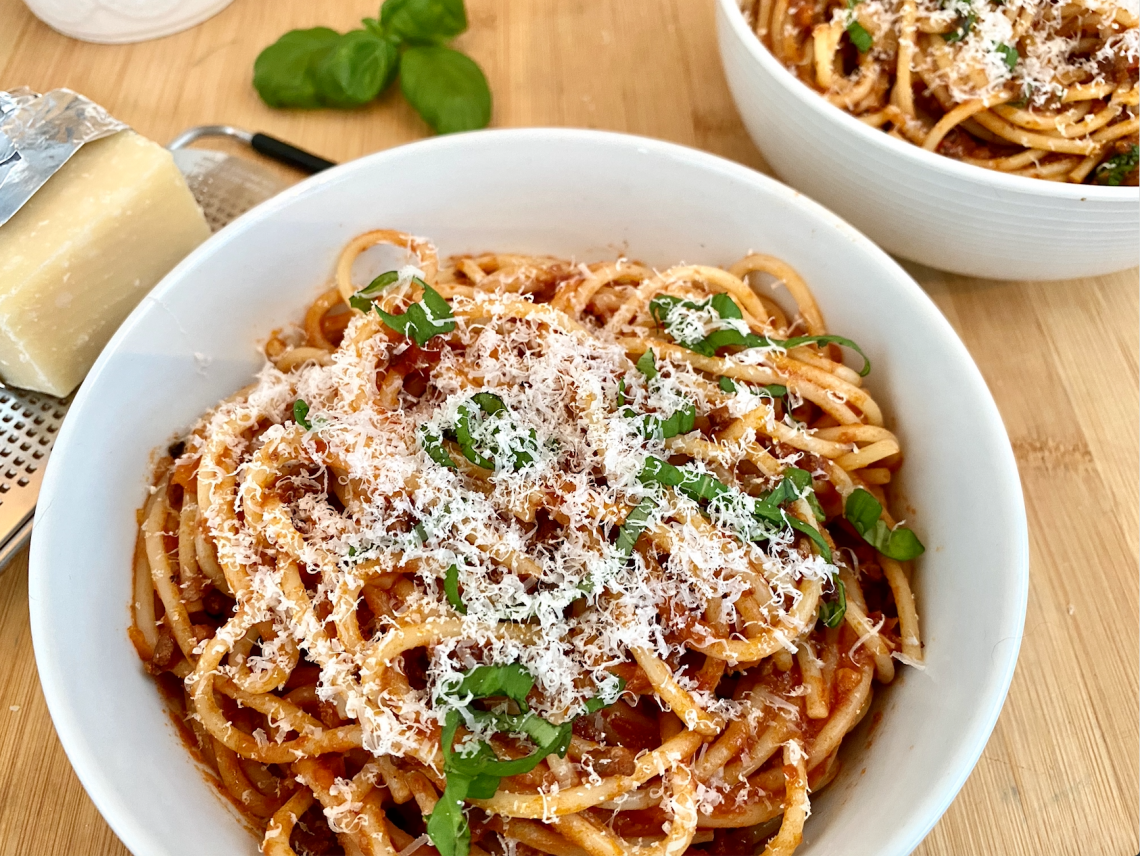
(38, 133)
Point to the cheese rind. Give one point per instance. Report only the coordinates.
(83, 251)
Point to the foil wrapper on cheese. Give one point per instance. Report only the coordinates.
(92, 215)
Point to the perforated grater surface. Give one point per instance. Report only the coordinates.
(225, 187)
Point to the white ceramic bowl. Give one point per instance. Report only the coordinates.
(572, 193)
(122, 21)
(916, 204)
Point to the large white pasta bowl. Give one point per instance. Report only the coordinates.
(591, 196)
(917, 204)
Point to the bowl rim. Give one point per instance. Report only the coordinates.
(917, 155)
(69, 724)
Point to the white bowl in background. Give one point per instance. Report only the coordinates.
(119, 22)
(917, 204)
(588, 195)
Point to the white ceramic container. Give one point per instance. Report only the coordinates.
(591, 196)
(916, 204)
(121, 21)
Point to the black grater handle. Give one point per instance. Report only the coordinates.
(289, 155)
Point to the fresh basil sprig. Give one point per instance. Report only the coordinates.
(420, 321)
(864, 512)
(1117, 168)
(833, 609)
(663, 306)
(319, 67)
(475, 773)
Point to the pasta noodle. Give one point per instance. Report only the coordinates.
(513, 554)
(1040, 88)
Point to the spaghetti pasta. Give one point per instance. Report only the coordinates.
(512, 554)
(1040, 88)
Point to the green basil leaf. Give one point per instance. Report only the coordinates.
(647, 364)
(831, 612)
(680, 422)
(1113, 171)
(489, 403)
(446, 88)
(451, 589)
(864, 512)
(284, 74)
(635, 523)
(859, 37)
(511, 680)
(725, 306)
(421, 321)
(423, 20)
(593, 705)
(433, 445)
(362, 299)
(447, 826)
(301, 414)
(1009, 55)
(727, 384)
(703, 486)
(355, 69)
(962, 27)
(827, 340)
(621, 393)
(814, 534)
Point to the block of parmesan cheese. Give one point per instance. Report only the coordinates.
(83, 251)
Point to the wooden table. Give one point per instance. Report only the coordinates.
(1059, 776)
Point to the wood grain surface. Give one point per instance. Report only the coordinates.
(1060, 774)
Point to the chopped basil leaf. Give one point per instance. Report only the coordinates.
(864, 512)
(859, 37)
(511, 680)
(476, 773)
(647, 365)
(362, 299)
(484, 455)
(831, 612)
(433, 445)
(451, 589)
(1117, 168)
(772, 390)
(681, 422)
(664, 305)
(621, 393)
(963, 24)
(827, 340)
(1009, 55)
(703, 486)
(421, 321)
(301, 414)
(635, 523)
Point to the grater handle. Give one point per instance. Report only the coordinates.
(288, 154)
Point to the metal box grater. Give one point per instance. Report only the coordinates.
(225, 187)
